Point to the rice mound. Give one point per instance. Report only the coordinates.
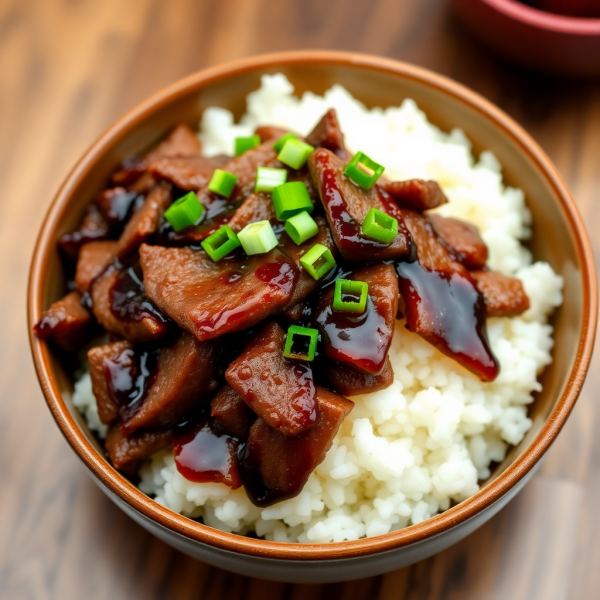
(407, 452)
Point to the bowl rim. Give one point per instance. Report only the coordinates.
(489, 494)
(542, 19)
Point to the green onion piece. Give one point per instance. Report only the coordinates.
(278, 145)
(294, 153)
(257, 238)
(184, 212)
(267, 178)
(350, 296)
(301, 343)
(379, 226)
(301, 227)
(290, 199)
(220, 243)
(318, 261)
(222, 183)
(363, 170)
(243, 144)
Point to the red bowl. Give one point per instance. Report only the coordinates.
(535, 38)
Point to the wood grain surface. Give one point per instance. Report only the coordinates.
(68, 68)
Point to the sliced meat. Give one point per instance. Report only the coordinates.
(462, 239)
(116, 205)
(417, 194)
(103, 361)
(93, 259)
(120, 306)
(361, 340)
(210, 299)
(347, 205)
(205, 455)
(182, 141)
(145, 221)
(504, 296)
(327, 134)
(270, 133)
(256, 207)
(93, 228)
(350, 382)
(442, 303)
(185, 376)
(66, 322)
(186, 172)
(126, 453)
(230, 413)
(306, 285)
(275, 467)
(279, 390)
(295, 312)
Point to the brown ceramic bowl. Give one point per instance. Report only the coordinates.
(559, 238)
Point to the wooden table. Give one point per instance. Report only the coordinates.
(68, 68)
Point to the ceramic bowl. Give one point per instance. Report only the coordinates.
(555, 43)
(559, 238)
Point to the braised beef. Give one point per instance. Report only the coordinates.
(66, 322)
(93, 228)
(275, 467)
(417, 194)
(504, 296)
(210, 299)
(279, 390)
(205, 455)
(269, 132)
(361, 340)
(442, 303)
(327, 134)
(256, 207)
(351, 382)
(121, 306)
(93, 259)
(117, 204)
(126, 453)
(186, 172)
(145, 221)
(185, 376)
(346, 205)
(230, 413)
(462, 239)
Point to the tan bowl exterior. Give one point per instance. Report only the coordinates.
(559, 238)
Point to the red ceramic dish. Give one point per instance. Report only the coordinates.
(535, 38)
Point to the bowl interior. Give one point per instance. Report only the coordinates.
(553, 239)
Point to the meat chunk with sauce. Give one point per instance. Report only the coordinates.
(66, 322)
(210, 299)
(463, 239)
(94, 227)
(126, 453)
(416, 194)
(442, 303)
(504, 296)
(347, 204)
(362, 340)
(328, 134)
(281, 391)
(256, 207)
(93, 259)
(275, 467)
(117, 204)
(230, 413)
(351, 382)
(185, 376)
(186, 172)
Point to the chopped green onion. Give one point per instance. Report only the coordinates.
(243, 144)
(257, 238)
(318, 261)
(294, 153)
(363, 170)
(379, 226)
(301, 343)
(278, 145)
(290, 199)
(267, 178)
(350, 296)
(184, 212)
(301, 227)
(220, 243)
(222, 183)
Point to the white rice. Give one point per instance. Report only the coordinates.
(407, 452)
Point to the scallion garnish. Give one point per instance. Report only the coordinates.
(301, 227)
(290, 199)
(220, 243)
(301, 343)
(222, 183)
(243, 144)
(278, 145)
(268, 178)
(184, 212)
(380, 226)
(294, 153)
(363, 170)
(318, 261)
(257, 238)
(350, 296)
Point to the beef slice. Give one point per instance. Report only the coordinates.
(504, 296)
(93, 259)
(351, 382)
(416, 194)
(126, 453)
(230, 413)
